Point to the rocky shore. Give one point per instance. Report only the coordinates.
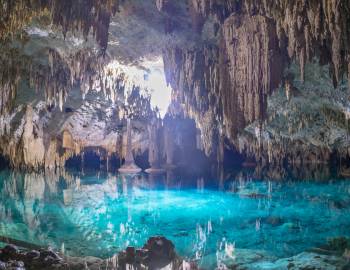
(157, 253)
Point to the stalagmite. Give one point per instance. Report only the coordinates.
(32, 140)
(67, 140)
(129, 165)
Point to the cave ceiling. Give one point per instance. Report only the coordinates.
(224, 60)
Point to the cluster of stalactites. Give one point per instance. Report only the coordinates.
(92, 72)
(11, 64)
(282, 151)
(255, 64)
(75, 16)
(83, 16)
(231, 80)
(53, 79)
(307, 28)
(257, 38)
(14, 15)
(85, 70)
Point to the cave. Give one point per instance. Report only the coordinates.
(174, 134)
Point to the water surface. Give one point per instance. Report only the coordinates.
(100, 214)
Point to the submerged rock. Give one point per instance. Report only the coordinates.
(304, 261)
(248, 259)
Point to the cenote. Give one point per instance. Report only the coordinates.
(99, 214)
(174, 135)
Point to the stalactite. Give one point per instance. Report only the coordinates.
(310, 26)
(279, 152)
(73, 16)
(234, 77)
(11, 65)
(230, 83)
(254, 72)
(14, 15)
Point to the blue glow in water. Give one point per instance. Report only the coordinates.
(99, 216)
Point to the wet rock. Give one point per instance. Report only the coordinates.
(18, 264)
(338, 244)
(141, 255)
(157, 253)
(241, 259)
(10, 250)
(255, 196)
(130, 254)
(32, 254)
(161, 252)
(244, 259)
(50, 260)
(305, 261)
(50, 253)
(274, 221)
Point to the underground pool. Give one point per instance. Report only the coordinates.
(100, 214)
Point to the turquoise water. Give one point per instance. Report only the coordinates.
(98, 215)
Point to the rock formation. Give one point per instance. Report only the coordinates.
(254, 41)
(157, 253)
(129, 165)
(169, 143)
(68, 15)
(154, 131)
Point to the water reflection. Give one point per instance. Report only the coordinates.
(207, 217)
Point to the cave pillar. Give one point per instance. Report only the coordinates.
(129, 165)
(169, 145)
(221, 150)
(107, 162)
(129, 158)
(154, 141)
(199, 144)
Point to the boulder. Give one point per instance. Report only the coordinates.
(10, 250)
(161, 252)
